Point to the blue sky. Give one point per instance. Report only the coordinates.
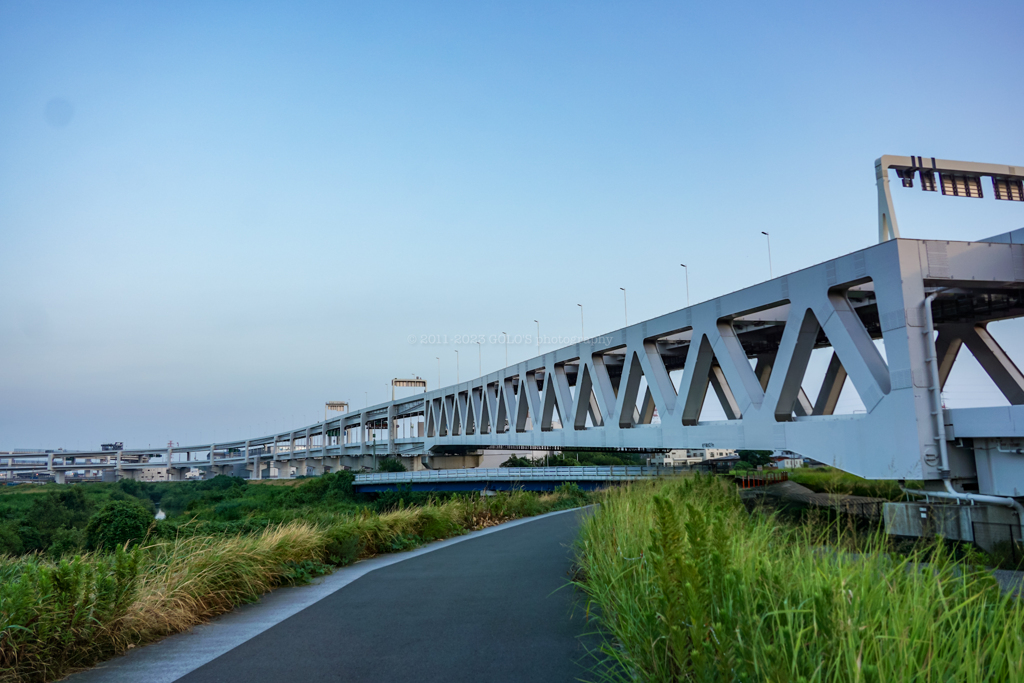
(216, 216)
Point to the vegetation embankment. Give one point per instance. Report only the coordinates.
(832, 480)
(231, 543)
(690, 586)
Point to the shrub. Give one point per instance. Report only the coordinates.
(342, 545)
(66, 542)
(119, 522)
(390, 465)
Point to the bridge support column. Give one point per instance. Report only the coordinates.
(134, 475)
(284, 469)
(331, 464)
(300, 465)
(392, 412)
(176, 473)
(316, 465)
(364, 443)
(58, 477)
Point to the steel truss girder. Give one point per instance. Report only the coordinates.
(766, 404)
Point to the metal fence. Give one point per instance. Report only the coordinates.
(518, 474)
(1003, 541)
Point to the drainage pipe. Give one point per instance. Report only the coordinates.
(940, 429)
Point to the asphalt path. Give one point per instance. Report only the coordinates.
(493, 608)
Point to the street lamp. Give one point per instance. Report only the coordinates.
(438, 371)
(456, 366)
(625, 309)
(538, 336)
(687, 271)
(480, 357)
(506, 348)
(767, 237)
(583, 335)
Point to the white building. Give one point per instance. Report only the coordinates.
(689, 457)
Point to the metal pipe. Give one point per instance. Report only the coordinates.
(1003, 501)
(940, 430)
(934, 389)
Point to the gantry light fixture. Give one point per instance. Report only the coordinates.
(955, 178)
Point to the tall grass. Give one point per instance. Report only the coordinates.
(59, 616)
(691, 588)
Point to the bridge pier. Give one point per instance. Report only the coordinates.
(133, 475)
(255, 470)
(300, 465)
(284, 469)
(59, 477)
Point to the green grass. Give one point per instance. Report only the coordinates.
(56, 616)
(690, 587)
(832, 480)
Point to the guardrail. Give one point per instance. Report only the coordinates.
(518, 474)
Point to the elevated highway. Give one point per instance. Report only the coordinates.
(893, 319)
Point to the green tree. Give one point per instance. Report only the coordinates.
(117, 523)
(756, 458)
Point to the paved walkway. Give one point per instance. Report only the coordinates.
(492, 607)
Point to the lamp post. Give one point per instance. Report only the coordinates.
(625, 308)
(583, 335)
(456, 366)
(538, 336)
(768, 237)
(438, 371)
(687, 271)
(480, 357)
(506, 348)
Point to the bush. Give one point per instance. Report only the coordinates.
(391, 465)
(118, 523)
(343, 545)
(66, 542)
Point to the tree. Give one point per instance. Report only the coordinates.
(756, 458)
(117, 523)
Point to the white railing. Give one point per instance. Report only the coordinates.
(613, 473)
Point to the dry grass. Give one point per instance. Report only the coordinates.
(58, 617)
(192, 579)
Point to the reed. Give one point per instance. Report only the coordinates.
(690, 587)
